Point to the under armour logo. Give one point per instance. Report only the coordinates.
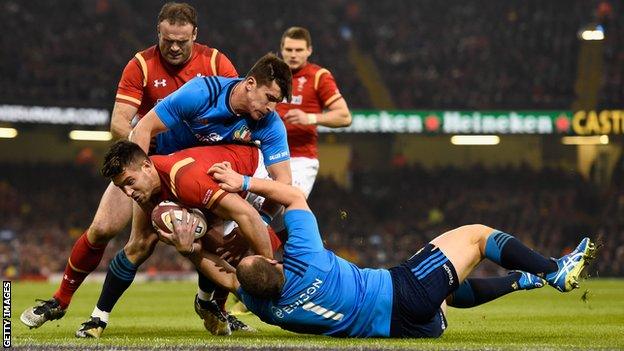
(160, 83)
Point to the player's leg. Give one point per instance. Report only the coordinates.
(476, 291)
(466, 246)
(112, 215)
(121, 272)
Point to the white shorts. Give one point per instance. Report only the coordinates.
(304, 171)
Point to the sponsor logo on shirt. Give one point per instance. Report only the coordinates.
(210, 138)
(303, 297)
(297, 99)
(278, 156)
(160, 83)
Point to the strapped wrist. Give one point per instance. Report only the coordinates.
(312, 118)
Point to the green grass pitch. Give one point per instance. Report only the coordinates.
(160, 314)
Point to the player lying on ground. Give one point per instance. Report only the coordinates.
(314, 291)
(206, 110)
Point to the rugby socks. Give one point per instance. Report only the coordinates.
(476, 291)
(510, 253)
(205, 289)
(84, 259)
(120, 275)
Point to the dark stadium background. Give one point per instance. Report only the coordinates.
(381, 194)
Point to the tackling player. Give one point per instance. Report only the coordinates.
(314, 90)
(314, 291)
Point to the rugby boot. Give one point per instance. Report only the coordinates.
(92, 328)
(46, 310)
(215, 321)
(571, 266)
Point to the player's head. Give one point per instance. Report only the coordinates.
(177, 30)
(268, 82)
(129, 168)
(296, 47)
(260, 277)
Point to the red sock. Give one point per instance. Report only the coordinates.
(276, 240)
(84, 258)
(220, 296)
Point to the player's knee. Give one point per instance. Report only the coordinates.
(479, 234)
(101, 232)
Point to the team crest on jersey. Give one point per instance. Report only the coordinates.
(301, 81)
(160, 83)
(243, 134)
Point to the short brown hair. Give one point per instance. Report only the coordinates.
(297, 33)
(271, 68)
(121, 155)
(260, 278)
(178, 13)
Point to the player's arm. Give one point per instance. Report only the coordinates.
(211, 266)
(235, 208)
(287, 195)
(148, 126)
(336, 116)
(281, 172)
(121, 120)
(128, 98)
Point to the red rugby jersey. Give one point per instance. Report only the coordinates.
(314, 88)
(184, 174)
(148, 78)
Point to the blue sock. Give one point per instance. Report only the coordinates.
(510, 253)
(476, 291)
(120, 275)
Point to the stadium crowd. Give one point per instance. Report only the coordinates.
(381, 220)
(512, 54)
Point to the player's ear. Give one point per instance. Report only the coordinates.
(194, 33)
(310, 50)
(251, 82)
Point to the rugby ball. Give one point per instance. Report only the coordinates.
(161, 219)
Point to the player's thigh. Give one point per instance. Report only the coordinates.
(113, 214)
(463, 246)
(304, 172)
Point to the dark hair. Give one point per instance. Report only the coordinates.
(271, 68)
(260, 278)
(178, 13)
(297, 33)
(121, 155)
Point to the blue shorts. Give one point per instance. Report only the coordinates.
(420, 285)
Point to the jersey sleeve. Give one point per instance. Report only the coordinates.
(327, 89)
(184, 104)
(130, 88)
(273, 140)
(225, 68)
(303, 233)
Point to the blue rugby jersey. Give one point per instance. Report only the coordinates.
(199, 113)
(323, 293)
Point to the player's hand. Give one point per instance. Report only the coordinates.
(228, 179)
(296, 116)
(183, 235)
(234, 248)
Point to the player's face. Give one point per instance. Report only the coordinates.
(295, 52)
(175, 41)
(262, 99)
(136, 181)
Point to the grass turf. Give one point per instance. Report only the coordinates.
(160, 314)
